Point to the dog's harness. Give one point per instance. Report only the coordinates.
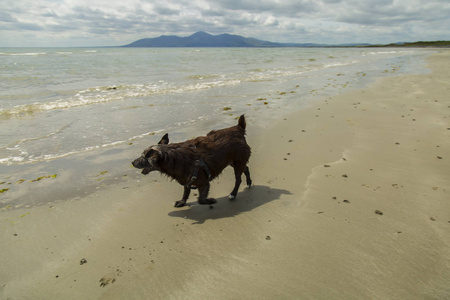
(198, 163)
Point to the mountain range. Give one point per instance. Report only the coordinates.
(203, 39)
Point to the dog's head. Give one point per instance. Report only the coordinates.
(151, 157)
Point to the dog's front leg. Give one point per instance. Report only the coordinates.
(183, 200)
(203, 195)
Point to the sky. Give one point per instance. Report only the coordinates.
(88, 23)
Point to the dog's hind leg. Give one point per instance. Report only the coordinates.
(203, 195)
(237, 175)
(247, 175)
(182, 202)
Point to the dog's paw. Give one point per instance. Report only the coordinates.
(231, 197)
(180, 203)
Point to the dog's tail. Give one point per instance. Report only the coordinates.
(241, 123)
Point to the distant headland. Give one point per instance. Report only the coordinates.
(203, 39)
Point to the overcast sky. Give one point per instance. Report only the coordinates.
(70, 23)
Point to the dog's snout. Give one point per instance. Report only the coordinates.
(141, 163)
(136, 163)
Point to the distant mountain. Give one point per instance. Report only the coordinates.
(203, 39)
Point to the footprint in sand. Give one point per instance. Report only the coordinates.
(106, 280)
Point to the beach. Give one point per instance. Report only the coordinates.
(350, 201)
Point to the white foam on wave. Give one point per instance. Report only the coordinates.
(11, 160)
(385, 52)
(27, 54)
(24, 158)
(339, 64)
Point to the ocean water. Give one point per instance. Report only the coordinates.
(72, 119)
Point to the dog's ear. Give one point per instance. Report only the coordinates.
(164, 140)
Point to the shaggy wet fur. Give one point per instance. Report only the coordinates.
(218, 149)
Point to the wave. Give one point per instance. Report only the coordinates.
(34, 108)
(105, 94)
(382, 52)
(386, 52)
(24, 158)
(17, 143)
(339, 64)
(201, 77)
(26, 54)
(41, 53)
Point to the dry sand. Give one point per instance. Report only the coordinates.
(351, 201)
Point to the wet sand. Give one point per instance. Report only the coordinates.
(350, 201)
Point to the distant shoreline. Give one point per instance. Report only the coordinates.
(419, 44)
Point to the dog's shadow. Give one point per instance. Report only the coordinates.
(224, 208)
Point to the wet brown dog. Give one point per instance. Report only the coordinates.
(194, 163)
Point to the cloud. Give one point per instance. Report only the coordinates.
(114, 22)
(6, 17)
(29, 26)
(285, 8)
(389, 12)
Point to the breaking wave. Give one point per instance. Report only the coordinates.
(105, 94)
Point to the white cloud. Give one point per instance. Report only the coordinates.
(113, 22)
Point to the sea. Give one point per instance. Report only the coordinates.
(73, 119)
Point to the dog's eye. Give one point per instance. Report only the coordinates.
(148, 153)
(151, 154)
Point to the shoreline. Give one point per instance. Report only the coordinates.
(349, 202)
